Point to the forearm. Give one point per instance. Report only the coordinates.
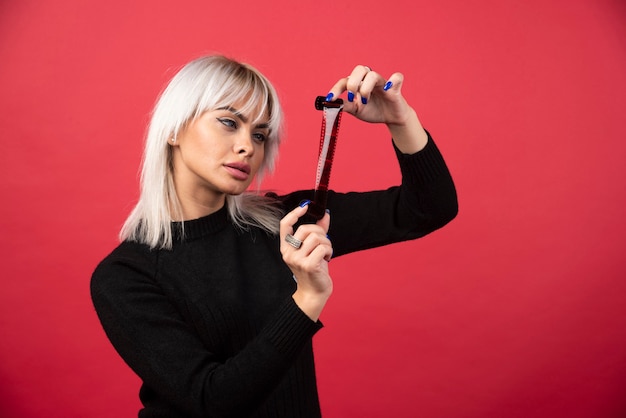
(409, 136)
(424, 202)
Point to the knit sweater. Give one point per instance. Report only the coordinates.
(211, 327)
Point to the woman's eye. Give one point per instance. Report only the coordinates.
(227, 122)
(260, 137)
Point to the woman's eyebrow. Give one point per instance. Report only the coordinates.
(235, 112)
(243, 118)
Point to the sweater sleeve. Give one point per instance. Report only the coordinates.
(157, 341)
(425, 201)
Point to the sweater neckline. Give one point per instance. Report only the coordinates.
(206, 225)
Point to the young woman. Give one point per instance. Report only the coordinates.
(214, 294)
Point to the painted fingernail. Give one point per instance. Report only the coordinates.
(350, 96)
(304, 203)
(363, 100)
(328, 211)
(388, 85)
(329, 97)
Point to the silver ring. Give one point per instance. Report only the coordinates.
(293, 241)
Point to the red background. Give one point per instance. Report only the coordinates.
(516, 309)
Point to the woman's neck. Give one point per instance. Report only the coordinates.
(191, 208)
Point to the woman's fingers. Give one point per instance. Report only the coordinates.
(291, 218)
(358, 84)
(308, 260)
(309, 244)
(371, 97)
(360, 74)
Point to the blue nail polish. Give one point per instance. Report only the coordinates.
(363, 100)
(388, 85)
(328, 211)
(304, 203)
(350, 96)
(329, 97)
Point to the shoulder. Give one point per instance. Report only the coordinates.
(127, 261)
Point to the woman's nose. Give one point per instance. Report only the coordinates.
(243, 144)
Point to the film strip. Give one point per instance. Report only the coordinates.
(328, 139)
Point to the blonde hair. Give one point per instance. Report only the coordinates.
(206, 83)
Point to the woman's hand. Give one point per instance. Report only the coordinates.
(375, 99)
(309, 262)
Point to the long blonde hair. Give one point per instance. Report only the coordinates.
(203, 84)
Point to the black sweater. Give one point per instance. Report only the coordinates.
(210, 326)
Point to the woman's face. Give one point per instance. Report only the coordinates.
(217, 154)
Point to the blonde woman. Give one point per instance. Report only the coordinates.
(214, 294)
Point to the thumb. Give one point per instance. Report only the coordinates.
(394, 82)
(325, 221)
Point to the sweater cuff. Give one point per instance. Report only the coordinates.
(291, 329)
(423, 166)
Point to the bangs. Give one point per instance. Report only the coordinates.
(251, 93)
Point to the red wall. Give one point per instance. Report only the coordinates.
(516, 309)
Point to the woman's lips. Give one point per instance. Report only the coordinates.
(240, 171)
